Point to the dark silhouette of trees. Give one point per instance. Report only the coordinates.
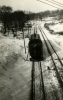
(12, 20)
(5, 12)
(17, 20)
(5, 9)
(40, 15)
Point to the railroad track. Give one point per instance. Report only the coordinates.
(38, 85)
(37, 91)
(49, 47)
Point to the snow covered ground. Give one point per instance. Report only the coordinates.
(15, 70)
(52, 87)
(57, 27)
(57, 34)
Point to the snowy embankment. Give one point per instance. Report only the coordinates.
(55, 28)
(15, 70)
(10, 48)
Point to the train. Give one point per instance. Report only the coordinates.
(35, 47)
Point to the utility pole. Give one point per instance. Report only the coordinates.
(24, 41)
(28, 29)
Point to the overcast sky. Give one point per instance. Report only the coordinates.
(29, 5)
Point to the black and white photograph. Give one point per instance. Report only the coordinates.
(31, 49)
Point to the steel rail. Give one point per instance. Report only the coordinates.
(57, 73)
(42, 80)
(54, 50)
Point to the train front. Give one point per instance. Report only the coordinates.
(36, 47)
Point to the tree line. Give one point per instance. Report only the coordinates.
(12, 20)
(15, 20)
(47, 13)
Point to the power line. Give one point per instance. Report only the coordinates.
(55, 3)
(48, 4)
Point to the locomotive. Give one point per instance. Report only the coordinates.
(35, 47)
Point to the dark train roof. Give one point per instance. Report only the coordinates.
(34, 36)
